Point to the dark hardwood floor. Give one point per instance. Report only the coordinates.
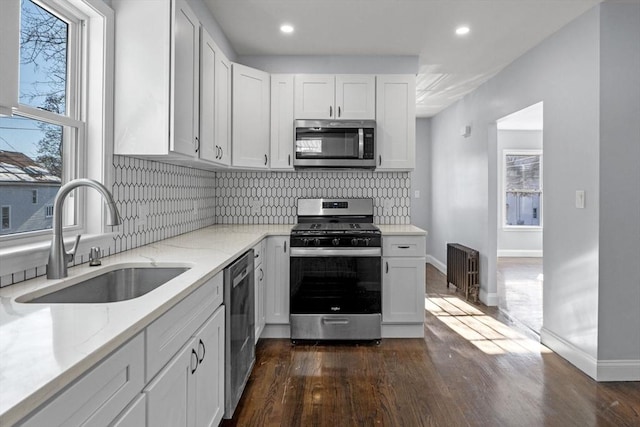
(473, 368)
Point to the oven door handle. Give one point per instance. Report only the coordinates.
(360, 143)
(332, 252)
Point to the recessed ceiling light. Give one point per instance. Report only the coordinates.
(461, 31)
(286, 28)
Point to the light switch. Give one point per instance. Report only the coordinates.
(580, 199)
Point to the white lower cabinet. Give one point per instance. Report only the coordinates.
(135, 415)
(189, 391)
(277, 286)
(403, 279)
(97, 398)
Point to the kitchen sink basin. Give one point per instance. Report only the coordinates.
(117, 285)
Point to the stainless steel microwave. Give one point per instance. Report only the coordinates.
(335, 144)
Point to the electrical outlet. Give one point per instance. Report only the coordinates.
(388, 205)
(141, 217)
(580, 199)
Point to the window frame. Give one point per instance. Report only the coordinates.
(2, 209)
(93, 110)
(503, 196)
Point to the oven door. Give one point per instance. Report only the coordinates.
(335, 293)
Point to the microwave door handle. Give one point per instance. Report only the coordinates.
(360, 143)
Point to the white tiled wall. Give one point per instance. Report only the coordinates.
(271, 197)
(178, 200)
(171, 199)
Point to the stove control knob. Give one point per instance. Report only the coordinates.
(305, 241)
(335, 242)
(316, 241)
(367, 240)
(354, 242)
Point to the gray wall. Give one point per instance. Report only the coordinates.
(420, 179)
(587, 74)
(619, 276)
(563, 72)
(327, 64)
(512, 242)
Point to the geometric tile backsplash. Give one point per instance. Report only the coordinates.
(271, 197)
(157, 200)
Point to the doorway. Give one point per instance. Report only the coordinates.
(520, 216)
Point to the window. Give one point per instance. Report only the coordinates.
(6, 217)
(55, 115)
(522, 188)
(48, 211)
(56, 118)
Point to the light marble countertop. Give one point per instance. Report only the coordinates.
(45, 347)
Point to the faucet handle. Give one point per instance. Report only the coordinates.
(72, 253)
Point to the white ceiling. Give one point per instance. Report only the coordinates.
(450, 66)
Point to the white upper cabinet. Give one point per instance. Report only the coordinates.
(355, 97)
(396, 121)
(251, 117)
(156, 79)
(314, 96)
(215, 103)
(282, 121)
(347, 96)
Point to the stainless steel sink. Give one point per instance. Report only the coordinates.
(117, 285)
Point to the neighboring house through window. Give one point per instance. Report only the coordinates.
(522, 188)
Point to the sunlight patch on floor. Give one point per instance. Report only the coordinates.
(486, 333)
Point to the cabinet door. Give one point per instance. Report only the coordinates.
(356, 97)
(208, 149)
(314, 96)
(403, 289)
(277, 286)
(223, 109)
(209, 376)
(250, 117)
(171, 395)
(281, 121)
(185, 94)
(396, 121)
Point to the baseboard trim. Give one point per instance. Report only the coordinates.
(490, 299)
(519, 253)
(442, 267)
(403, 330)
(276, 331)
(574, 355)
(618, 370)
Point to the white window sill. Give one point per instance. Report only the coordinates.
(521, 228)
(29, 256)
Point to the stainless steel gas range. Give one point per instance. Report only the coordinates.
(336, 275)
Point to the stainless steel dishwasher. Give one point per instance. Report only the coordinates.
(240, 350)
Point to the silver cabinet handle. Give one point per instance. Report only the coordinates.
(387, 267)
(330, 111)
(221, 152)
(194, 368)
(339, 112)
(289, 160)
(403, 247)
(380, 160)
(197, 144)
(204, 351)
(285, 246)
(265, 160)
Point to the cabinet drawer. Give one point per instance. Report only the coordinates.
(169, 333)
(97, 398)
(412, 246)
